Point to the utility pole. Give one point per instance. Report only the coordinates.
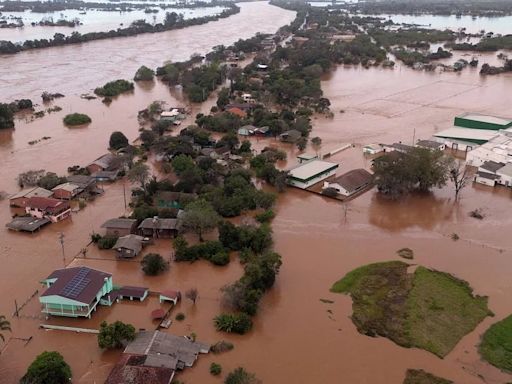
(61, 240)
(124, 193)
(413, 136)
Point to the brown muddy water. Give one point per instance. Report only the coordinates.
(294, 339)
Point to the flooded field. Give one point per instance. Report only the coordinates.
(294, 338)
(90, 21)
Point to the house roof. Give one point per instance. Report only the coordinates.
(486, 118)
(401, 147)
(47, 204)
(242, 106)
(506, 170)
(290, 135)
(467, 134)
(104, 161)
(79, 283)
(236, 111)
(27, 223)
(81, 180)
(157, 223)
(120, 223)
(33, 192)
(137, 292)
(491, 166)
(429, 144)
(354, 179)
(132, 242)
(311, 169)
(170, 294)
(157, 314)
(68, 187)
(486, 175)
(157, 343)
(131, 369)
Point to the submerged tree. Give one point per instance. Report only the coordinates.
(192, 294)
(139, 174)
(153, 264)
(459, 176)
(115, 335)
(118, 140)
(47, 368)
(200, 217)
(4, 326)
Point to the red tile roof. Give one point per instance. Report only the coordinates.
(130, 369)
(158, 314)
(237, 111)
(47, 204)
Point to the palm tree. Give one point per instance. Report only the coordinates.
(4, 326)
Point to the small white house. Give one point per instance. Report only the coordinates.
(310, 173)
(486, 179)
(373, 149)
(487, 173)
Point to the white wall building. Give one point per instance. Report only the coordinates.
(498, 149)
(311, 173)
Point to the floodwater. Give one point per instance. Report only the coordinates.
(498, 25)
(75, 69)
(91, 21)
(294, 338)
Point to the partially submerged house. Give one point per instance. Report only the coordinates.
(120, 227)
(158, 227)
(27, 223)
(85, 182)
(66, 191)
(505, 175)
(20, 199)
(44, 207)
(74, 292)
(170, 295)
(431, 145)
(305, 157)
(128, 246)
(154, 357)
(107, 162)
(305, 175)
(464, 139)
(246, 130)
(290, 136)
(487, 173)
(373, 149)
(351, 182)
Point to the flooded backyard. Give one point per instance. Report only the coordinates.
(295, 338)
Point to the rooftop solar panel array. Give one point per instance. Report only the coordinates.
(77, 284)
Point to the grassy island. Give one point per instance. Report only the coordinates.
(426, 309)
(419, 376)
(74, 119)
(114, 88)
(496, 346)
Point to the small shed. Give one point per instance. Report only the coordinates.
(132, 293)
(120, 227)
(169, 295)
(128, 246)
(158, 314)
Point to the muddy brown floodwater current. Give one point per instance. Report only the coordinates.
(295, 339)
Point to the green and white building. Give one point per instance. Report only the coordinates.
(481, 121)
(75, 292)
(310, 173)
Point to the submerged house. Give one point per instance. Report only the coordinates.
(351, 182)
(290, 136)
(74, 292)
(52, 209)
(128, 246)
(487, 173)
(158, 228)
(154, 357)
(66, 191)
(119, 227)
(307, 174)
(20, 199)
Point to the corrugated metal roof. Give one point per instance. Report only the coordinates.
(310, 169)
(467, 134)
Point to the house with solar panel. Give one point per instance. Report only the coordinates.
(75, 292)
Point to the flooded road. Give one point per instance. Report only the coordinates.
(75, 69)
(295, 339)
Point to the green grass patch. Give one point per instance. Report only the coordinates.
(427, 309)
(76, 119)
(496, 346)
(419, 376)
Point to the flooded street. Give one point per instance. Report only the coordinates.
(294, 339)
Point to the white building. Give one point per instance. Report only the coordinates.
(505, 175)
(310, 173)
(464, 139)
(373, 149)
(497, 149)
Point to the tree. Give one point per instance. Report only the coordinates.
(47, 368)
(76, 119)
(118, 140)
(233, 323)
(459, 176)
(192, 294)
(302, 143)
(430, 168)
(200, 217)
(139, 174)
(6, 116)
(144, 73)
(241, 376)
(153, 264)
(115, 335)
(223, 98)
(30, 178)
(50, 181)
(4, 326)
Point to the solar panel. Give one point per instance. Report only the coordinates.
(77, 284)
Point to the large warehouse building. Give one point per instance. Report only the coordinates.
(480, 121)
